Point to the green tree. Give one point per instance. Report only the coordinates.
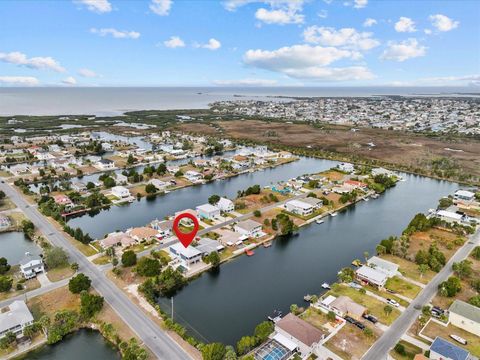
(55, 257)
(331, 316)
(7, 340)
(28, 228)
(230, 353)
(346, 275)
(5, 283)
(214, 199)
(74, 266)
(263, 330)
(148, 267)
(387, 309)
(257, 213)
(79, 283)
(368, 332)
(422, 269)
(150, 189)
(213, 351)
(213, 258)
(109, 182)
(475, 301)
(4, 266)
(245, 344)
(463, 269)
(129, 258)
(133, 351)
(293, 308)
(476, 252)
(90, 304)
(380, 249)
(450, 287)
(400, 349)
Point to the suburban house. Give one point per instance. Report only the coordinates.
(142, 233)
(187, 256)
(225, 205)
(120, 192)
(347, 167)
(104, 164)
(249, 228)
(316, 203)
(193, 176)
(14, 318)
(306, 336)
(107, 146)
(208, 211)
(159, 184)
(444, 350)
(465, 316)
(230, 238)
(450, 216)
(343, 306)
(464, 195)
(372, 276)
(78, 186)
(164, 228)
(121, 179)
(63, 200)
(299, 207)
(353, 184)
(207, 245)
(31, 265)
(388, 267)
(115, 239)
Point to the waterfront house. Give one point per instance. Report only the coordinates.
(442, 349)
(299, 207)
(107, 147)
(193, 176)
(464, 195)
(120, 192)
(353, 185)
(306, 336)
(117, 239)
(314, 202)
(159, 184)
(164, 227)
(63, 200)
(142, 233)
(250, 228)
(225, 205)
(372, 276)
(173, 169)
(187, 256)
(105, 164)
(346, 167)
(121, 179)
(14, 318)
(200, 162)
(450, 216)
(207, 245)
(5, 222)
(31, 265)
(387, 267)
(207, 211)
(78, 186)
(465, 316)
(344, 306)
(230, 238)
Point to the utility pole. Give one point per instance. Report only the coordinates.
(172, 308)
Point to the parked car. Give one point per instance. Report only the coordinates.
(459, 339)
(370, 318)
(359, 325)
(350, 320)
(438, 310)
(393, 302)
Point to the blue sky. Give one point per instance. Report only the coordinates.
(239, 42)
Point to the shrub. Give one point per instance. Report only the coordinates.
(148, 267)
(129, 258)
(79, 283)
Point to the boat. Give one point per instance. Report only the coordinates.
(459, 339)
(325, 285)
(249, 252)
(366, 199)
(319, 221)
(267, 244)
(307, 298)
(356, 262)
(276, 316)
(334, 214)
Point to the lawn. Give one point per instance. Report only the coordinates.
(350, 342)
(332, 175)
(102, 260)
(403, 287)
(386, 295)
(315, 317)
(434, 329)
(410, 350)
(28, 285)
(374, 306)
(6, 204)
(58, 274)
(410, 269)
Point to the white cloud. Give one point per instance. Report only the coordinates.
(405, 24)
(369, 22)
(213, 44)
(19, 80)
(245, 82)
(279, 16)
(161, 7)
(98, 6)
(466, 80)
(427, 31)
(307, 62)
(174, 42)
(358, 4)
(232, 5)
(117, 34)
(19, 58)
(346, 37)
(403, 50)
(69, 81)
(443, 23)
(87, 73)
(322, 14)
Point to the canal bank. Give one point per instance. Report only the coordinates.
(231, 300)
(14, 245)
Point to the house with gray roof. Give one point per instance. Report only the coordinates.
(465, 316)
(31, 265)
(14, 318)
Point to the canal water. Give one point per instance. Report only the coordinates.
(227, 304)
(84, 344)
(14, 245)
(141, 212)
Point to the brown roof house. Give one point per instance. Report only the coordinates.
(344, 306)
(142, 233)
(117, 238)
(306, 336)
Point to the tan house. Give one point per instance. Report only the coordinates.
(117, 239)
(344, 306)
(142, 233)
(465, 316)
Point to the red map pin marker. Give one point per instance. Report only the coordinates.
(185, 238)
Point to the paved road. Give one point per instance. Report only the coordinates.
(161, 345)
(389, 339)
(32, 293)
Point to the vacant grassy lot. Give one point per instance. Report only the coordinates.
(374, 306)
(60, 273)
(315, 317)
(410, 269)
(350, 342)
(445, 241)
(433, 330)
(410, 349)
(403, 287)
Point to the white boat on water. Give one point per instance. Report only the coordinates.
(326, 285)
(319, 221)
(365, 199)
(334, 214)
